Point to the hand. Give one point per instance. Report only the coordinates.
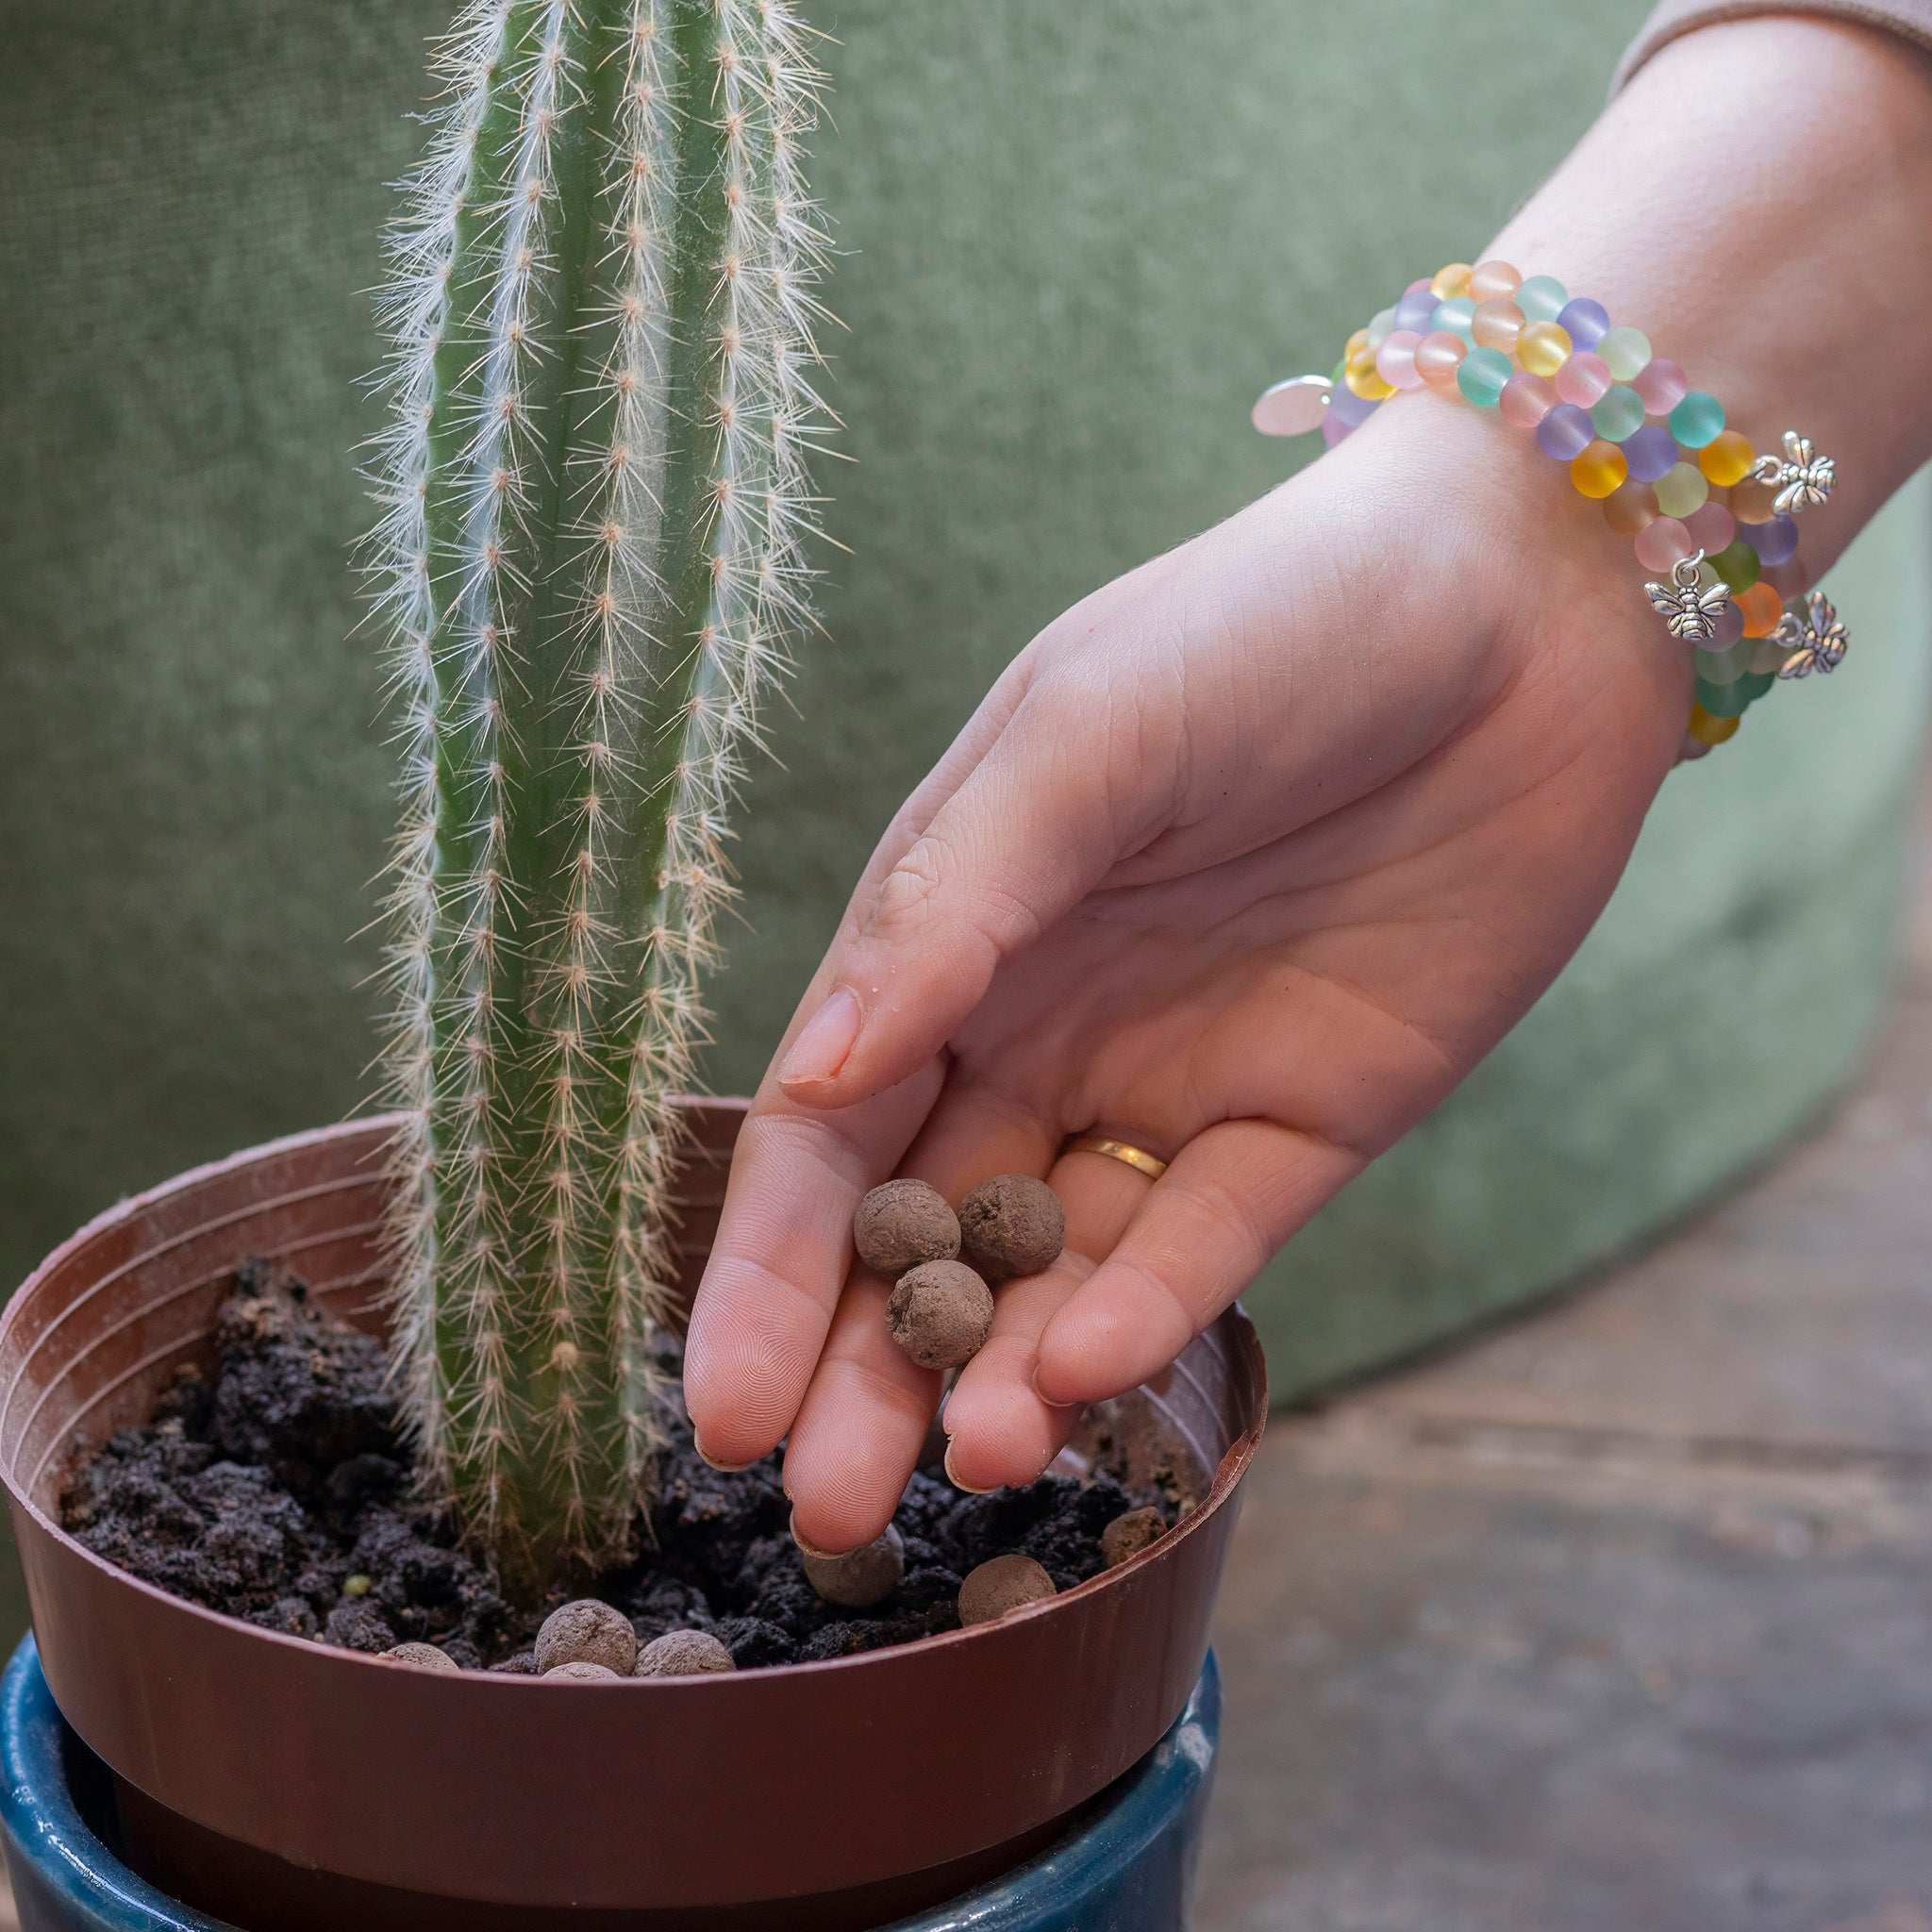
(1247, 859)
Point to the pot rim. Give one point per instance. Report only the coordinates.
(1224, 1480)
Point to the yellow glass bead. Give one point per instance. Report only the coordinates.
(1451, 280)
(1682, 490)
(1496, 324)
(1630, 508)
(1708, 730)
(1727, 459)
(1599, 470)
(1365, 380)
(1543, 348)
(1753, 501)
(1355, 344)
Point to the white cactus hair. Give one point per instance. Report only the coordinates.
(602, 313)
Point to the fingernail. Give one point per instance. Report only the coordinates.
(823, 1048)
(1050, 1401)
(953, 1480)
(809, 1548)
(722, 1468)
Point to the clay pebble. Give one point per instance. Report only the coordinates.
(1010, 1226)
(589, 1632)
(860, 1577)
(902, 1224)
(683, 1653)
(1127, 1535)
(999, 1585)
(424, 1655)
(940, 1314)
(581, 1673)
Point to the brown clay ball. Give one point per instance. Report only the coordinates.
(424, 1655)
(1012, 1225)
(940, 1314)
(1001, 1585)
(1127, 1535)
(587, 1632)
(683, 1653)
(861, 1577)
(581, 1673)
(902, 1224)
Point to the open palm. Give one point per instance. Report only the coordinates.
(1247, 860)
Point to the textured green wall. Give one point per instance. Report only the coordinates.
(1080, 235)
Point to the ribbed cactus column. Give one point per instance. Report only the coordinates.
(600, 306)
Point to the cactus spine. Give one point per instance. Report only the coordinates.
(600, 307)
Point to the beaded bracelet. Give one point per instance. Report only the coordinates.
(1701, 502)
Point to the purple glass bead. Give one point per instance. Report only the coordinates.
(1776, 542)
(1649, 451)
(1587, 322)
(1726, 627)
(1565, 433)
(1414, 310)
(1333, 428)
(1344, 405)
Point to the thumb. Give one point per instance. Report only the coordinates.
(1026, 836)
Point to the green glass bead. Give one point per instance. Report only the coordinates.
(1737, 565)
(1726, 666)
(1542, 298)
(1618, 413)
(1456, 316)
(1481, 375)
(1697, 419)
(1336, 373)
(1760, 682)
(1725, 700)
(1625, 352)
(1682, 490)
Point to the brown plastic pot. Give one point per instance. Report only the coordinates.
(278, 1782)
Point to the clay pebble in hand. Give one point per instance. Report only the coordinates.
(861, 1577)
(999, 1585)
(424, 1655)
(1010, 1226)
(1130, 1534)
(580, 1673)
(902, 1223)
(683, 1653)
(940, 1314)
(587, 1632)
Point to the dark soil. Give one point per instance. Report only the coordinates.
(278, 1489)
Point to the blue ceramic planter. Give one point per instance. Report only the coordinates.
(1127, 1869)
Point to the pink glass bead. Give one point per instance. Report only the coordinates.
(1395, 359)
(1661, 384)
(1489, 279)
(1712, 528)
(1663, 544)
(1438, 356)
(1496, 323)
(1726, 627)
(1525, 400)
(1584, 379)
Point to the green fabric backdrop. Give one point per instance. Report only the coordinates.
(1080, 234)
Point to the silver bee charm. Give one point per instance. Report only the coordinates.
(1691, 613)
(1803, 476)
(1817, 639)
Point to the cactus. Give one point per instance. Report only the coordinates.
(600, 307)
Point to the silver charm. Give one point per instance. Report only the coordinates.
(1818, 639)
(1691, 613)
(1293, 408)
(1804, 477)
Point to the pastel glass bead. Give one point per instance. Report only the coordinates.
(1362, 378)
(1661, 384)
(1452, 280)
(1727, 699)
(1542, 348)
(1726, 666)
(1737, 564)
(1680, 490)
(1438, 356)
(1496, 323)
(1727, 459)
(1525, 400)
(1381, 326)
(1630, 507)
(1565, 434)
(1708, 730)
(1617, 413)
(1727, 627)
(1348, 408)
(1776, 542)
(1753, 501)
(1584, 320)
(1598, 470)
(1710, 528)
(1664, 544)
(1584, 379)
(1414, 310)
(1489, 279)
(1455, 315)
(1649, 451)
(1760, 606)
(1768, 654)
(1627, 350)
(1395, 361)
(1333, 428)
(1698, 418)
(1542, 298)
(1482, 376)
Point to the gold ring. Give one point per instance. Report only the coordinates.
(1137, 1157)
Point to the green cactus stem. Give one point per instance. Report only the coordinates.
(601, 307)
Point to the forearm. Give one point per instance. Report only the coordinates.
(1757, 201)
